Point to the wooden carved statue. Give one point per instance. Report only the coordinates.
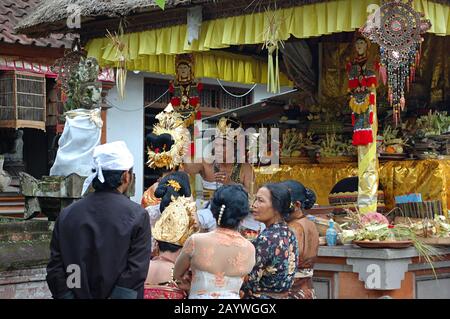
(185, 90)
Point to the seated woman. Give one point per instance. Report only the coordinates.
(159, 283)
(308, 239)
(171, 230)
(276, 246)
(172, 185)
(221, 258)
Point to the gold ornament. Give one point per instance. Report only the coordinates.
(224, 129)
(177, 222)
(174, 184)
(359, 107)
(170, 122)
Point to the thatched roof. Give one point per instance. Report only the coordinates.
(51, 15)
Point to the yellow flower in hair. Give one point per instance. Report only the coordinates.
(174, 184)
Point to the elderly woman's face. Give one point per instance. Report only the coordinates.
(262, 209)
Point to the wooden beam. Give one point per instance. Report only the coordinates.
(36, 54)
(260, 116)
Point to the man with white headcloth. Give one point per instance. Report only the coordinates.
(101, 244)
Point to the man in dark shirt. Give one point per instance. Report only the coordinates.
(101, 244)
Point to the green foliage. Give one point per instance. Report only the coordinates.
(435, 123)
(161, 3)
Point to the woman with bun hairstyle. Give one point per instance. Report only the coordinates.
(307, 236)
(174, 221)
(221, 258)
(170, 186)
(276, 246)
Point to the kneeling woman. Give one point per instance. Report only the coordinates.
(221, 258)
(276, 246)
(307, 237)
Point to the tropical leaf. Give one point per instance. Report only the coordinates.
(161, 3)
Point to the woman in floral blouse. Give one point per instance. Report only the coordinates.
(276, 247)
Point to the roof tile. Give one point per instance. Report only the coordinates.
(11, 12)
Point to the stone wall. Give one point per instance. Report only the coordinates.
(24, 284)
(24, 253)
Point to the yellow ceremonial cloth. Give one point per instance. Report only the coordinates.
(431, 178)
(154, 50)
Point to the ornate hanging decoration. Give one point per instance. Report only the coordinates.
(362, 82)
(68, 65)
(185, 90)
(121, 54)
(397, 28)
(272, 43)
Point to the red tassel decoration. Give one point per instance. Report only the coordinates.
(372, 81)
(175, 101)
(372, 99)
(192, 149)
(198, 115)
(383, 74)
(377, 66)
(194, 101)
(353, 119)
(402, 102)
(371, 118)
(353, 83)
(348, 67)
(364, 82)
(171, 88)
(200, 87)
(362, 137)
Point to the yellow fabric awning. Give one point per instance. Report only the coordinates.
(214, 64)
(146, 48)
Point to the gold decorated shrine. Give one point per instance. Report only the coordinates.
(429, 177)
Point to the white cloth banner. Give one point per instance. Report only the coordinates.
(82, 133)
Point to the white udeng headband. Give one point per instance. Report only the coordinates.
(222, 209)
(110, 156)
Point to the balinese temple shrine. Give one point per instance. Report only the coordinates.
(365, 123)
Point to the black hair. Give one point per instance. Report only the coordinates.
(235, 199)
(300, 193)
(281, 199)
(159, 143)
(165, 191)
(165, 246)
(113, 179)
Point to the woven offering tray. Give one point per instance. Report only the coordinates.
(383, 244)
